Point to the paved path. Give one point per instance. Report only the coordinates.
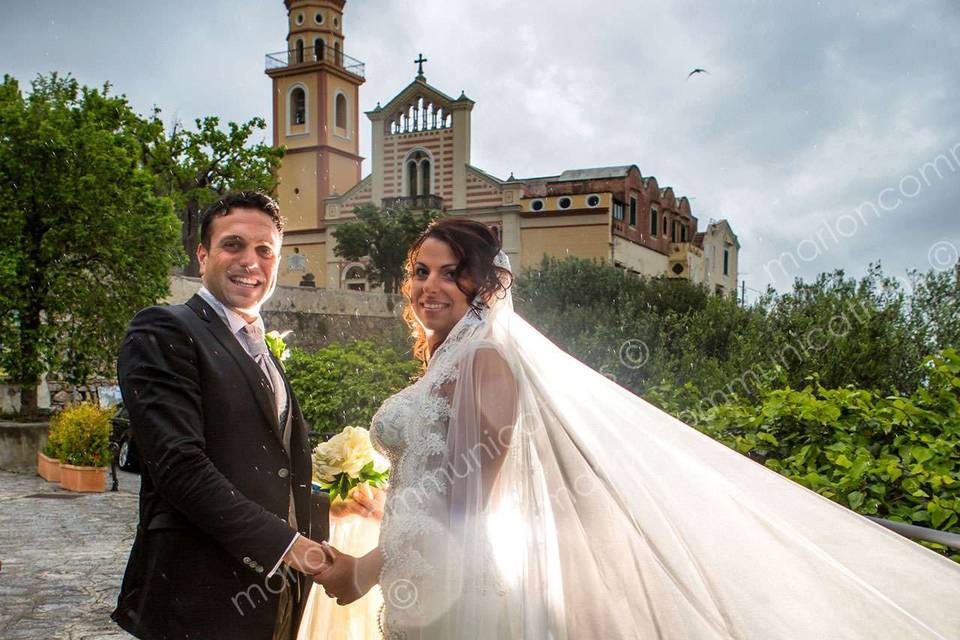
(63, 557)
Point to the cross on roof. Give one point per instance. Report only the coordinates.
(419, 61)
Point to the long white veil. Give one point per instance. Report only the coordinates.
(608, 518)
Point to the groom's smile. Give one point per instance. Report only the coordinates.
(244, 282)
(240, 265)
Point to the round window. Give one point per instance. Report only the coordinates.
(299, 18)
(593, 200)
(318, 18)
(336, 22)
(536, 205)
(678, 268)
(564, 202)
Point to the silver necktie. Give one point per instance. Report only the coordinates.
(257, 346)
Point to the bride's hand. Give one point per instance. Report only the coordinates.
(370, 500)
(364, 501)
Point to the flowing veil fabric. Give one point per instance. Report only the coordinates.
(571, 508)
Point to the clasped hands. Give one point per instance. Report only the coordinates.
(341, 575)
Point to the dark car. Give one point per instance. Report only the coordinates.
(125, 447)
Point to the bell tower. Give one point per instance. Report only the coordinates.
(316, 90)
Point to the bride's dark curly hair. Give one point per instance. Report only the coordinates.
(475, 245)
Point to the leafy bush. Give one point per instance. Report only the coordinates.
(84, 431)
(892, 456)
(54, 440)
(344, 384)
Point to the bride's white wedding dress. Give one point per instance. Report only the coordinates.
(611, 519)
(323, 618)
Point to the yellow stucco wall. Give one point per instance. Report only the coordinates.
(587, 241)
(316, 262)
(343, 174)
(298, 172)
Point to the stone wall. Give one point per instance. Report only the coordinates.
(317, 317)
(54, 395)
(19, 443)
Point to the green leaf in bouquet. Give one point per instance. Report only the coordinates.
(373, 477)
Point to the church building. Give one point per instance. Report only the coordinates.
(421, 160)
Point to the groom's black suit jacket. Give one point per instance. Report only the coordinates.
(216, 482)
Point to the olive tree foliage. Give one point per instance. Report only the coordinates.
(647, 331)
(85, 240)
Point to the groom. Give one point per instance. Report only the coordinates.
(225, 545)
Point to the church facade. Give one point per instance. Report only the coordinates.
(421, 160)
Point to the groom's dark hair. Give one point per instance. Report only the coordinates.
(239, 200)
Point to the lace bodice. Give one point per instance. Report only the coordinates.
(410, 428)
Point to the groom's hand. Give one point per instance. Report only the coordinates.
(307, 556)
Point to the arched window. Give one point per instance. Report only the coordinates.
(340, 111)
(299, 51)
(298, 106)
(355, 278)
(318, 49)
(412, 178)
(337, 58)
(355, 272)
(418, 172)
(424, 177)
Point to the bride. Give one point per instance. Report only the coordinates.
(531, 497)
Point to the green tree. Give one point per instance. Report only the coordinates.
(85, 241)
(385, 237)
(844, 330)
(194, 168)
(935, 308)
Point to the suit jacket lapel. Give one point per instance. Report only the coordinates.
(251, 370)
(292, 406)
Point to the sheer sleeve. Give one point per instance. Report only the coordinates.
(482, 418)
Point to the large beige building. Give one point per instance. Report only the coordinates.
(421, 160)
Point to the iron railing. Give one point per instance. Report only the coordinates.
(912, 531)
(418, 203)
(311, 54)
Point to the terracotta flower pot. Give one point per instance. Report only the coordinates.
(48, 468)
(84, 479)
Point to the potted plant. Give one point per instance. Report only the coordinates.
(48, 458)
(84, 447)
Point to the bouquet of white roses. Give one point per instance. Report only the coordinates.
(346, 460)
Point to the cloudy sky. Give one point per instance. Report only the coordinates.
(827, 133)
